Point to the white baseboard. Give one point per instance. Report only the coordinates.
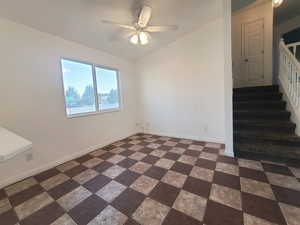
(53, 164)
(191, 137)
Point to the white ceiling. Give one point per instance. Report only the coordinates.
(80, 20)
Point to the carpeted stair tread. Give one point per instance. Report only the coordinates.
(261, 115)
(266, 137)
(265, 125)
(273, 88)
(287, 152)
(254, 96)
(259, 104)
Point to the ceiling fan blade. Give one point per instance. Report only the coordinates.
(119, 25)
(160, 28)
(145, 16)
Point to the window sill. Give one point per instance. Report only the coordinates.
(93, 113)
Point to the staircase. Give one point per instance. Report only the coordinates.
(262, 126)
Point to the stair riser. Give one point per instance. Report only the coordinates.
(260, 116)
(250, 127)
(258, 106)
(252, 90)
(252, 98)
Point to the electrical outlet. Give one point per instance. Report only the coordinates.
(205, 128)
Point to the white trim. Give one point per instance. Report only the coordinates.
(228, 78)
(35, 171)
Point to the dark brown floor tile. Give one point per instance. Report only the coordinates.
(277, 169)
(126, 163)
(106, 155)
(165, 194)
(253, 174)
(46, 175)
(97, 183)
(204, 163)
(8, 218)
(131, 222)
(84, 158)
(218, 214)
(156, 172)
(262, 208)
(227, 180)
(287, 196)
(127, 177)
(103, 166)
(198, 143)
(63, 189)
(211, 150)
(147, 150)
(179, 145)
(87, 210)
(192, 153)
(166, 148)
(182, 168)
(127, 145)
(127, 153)
(171, 156)
(177, 218)
(25, 195)
(228, 160)
(108, 147)
(150, 159)
(44, 216)
(159, 142)
(198, 187)
(2, 194)
(75, 171)
(128, 201)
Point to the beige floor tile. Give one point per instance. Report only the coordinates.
(227, 168)
(187, 159)
(54, 181)
(110, 191)
(196, 147)
(202, 173)
(178, 150)
(85, 176)
(73, 198)
(175, 179)
(98, 152)
(67, 166)
(284, 181)
(295, 171)
(144, 184)
(153, 146)
(4, 205)
(92, 162)
(226, 196)
(208, 156)
(114, 171)
(252, 220)
(33, 205)
(165, 163)
(250, 164)
(140, 167)
(109, 216)
(291, 214)
(64, 220)
(151, 212)
(158, 153)
(136, 148)
(257, 188)
(190, 204)
(116, 159)
(170, 143)
(137, 156)
(118, 150)
(20, 186)
(212, 145)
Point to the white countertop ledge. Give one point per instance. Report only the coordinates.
(12, 144)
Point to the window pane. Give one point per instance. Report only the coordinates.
(107, 84)
(78, 87)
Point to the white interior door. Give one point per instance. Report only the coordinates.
(252, 60)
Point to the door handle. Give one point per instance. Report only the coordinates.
(246, 60)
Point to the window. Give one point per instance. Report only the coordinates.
(88, 88)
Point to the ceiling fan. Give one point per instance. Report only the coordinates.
(140, 30)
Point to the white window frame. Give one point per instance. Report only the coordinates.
(97, 99)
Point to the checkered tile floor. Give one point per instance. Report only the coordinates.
(151, 180)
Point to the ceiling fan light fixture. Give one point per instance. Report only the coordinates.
(143, 38)
(277, 3)
(134, 39)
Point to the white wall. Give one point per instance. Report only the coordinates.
(182, 85)
(251, 13)
(32, 102)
